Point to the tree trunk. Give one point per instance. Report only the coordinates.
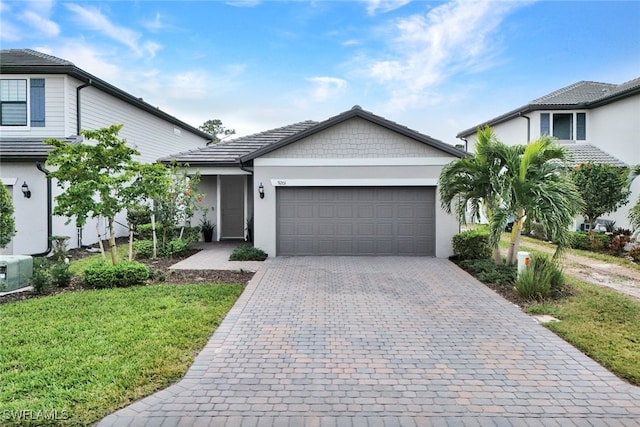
(514, 241)
(497, 257)
(154, 254)
(104, 256)
(112, 243)
(130, 242)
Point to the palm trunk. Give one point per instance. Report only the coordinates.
(514, 241)
(112, 243)
(497, 256)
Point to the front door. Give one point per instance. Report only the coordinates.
(232, 206)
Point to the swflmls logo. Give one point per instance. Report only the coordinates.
(30, 415)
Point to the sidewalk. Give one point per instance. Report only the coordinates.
(215, 256)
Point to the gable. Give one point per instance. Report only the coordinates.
(356, 138)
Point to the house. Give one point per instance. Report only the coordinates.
(43, 97)
(354, 184)
(598, 122)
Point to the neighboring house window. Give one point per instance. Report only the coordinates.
(561, 125)
(13, 102)
(37, 102)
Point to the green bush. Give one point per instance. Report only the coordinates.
(634, 253)
(487, 271)
(590, 241)
(472, 244)
(580, 240)
(138, 215)
(60, 274)
(246, 252)
(541, 278)
(126, 273)
(189, 234)
(144, 248)
(41, 278)
(600, 241)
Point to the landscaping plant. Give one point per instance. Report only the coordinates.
(7, 223)
(246, 252)
(472, 244)
(541, 278)
(123, 274)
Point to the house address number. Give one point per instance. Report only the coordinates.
(282, 182)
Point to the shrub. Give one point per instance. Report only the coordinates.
(580, 240)
(589, 241)
(60, 274)
(634, 253)
(472, 244)
(138, 215)
(617, 244)
(189, 234)
(247, 253)
(542, 277)
(622, 232)
(487, 271)
(41, 278)
(144, 248)
(599, 241)
(126, 273)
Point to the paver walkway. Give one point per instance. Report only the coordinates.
(383, 341)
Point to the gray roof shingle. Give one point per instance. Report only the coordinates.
(584, 153)
(577, 93)
(15, 149)
(229, 152)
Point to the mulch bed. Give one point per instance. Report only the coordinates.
(161, 274)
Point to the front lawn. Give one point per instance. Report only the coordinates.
(602, 323)
(79, 356)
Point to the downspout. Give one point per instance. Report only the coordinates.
(42, 169)
(78, 110)
(466, 143)
(528, 126)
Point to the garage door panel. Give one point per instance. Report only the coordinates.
(355, 221)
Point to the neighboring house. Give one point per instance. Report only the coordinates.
(43, 97)
(355, 184)
(598, 122)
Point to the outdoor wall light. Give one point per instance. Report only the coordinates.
(261, 190)
(25, 190)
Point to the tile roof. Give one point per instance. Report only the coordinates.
(577, 93)
(584, 153)
(28, 57)
(580, 95)
(28, 148)
(229, 152)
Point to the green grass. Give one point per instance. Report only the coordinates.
(602, 323)
(81, 355)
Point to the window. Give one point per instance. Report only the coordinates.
(13, 102)
(564, 125)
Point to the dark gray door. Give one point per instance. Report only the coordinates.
(356, 220)
(232, 206)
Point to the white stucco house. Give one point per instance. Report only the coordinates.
(598, 122)
(354, 184)
(43, 97)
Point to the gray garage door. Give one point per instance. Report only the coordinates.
(356, 221)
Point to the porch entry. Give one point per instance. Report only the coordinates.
(232, 206)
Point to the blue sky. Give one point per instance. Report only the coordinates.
(436, 67)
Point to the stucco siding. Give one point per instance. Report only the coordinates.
(615, 128)
(355, 138)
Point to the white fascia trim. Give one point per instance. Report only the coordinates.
(9, 181)
(210, 170)
(386, 161)
(377, 182)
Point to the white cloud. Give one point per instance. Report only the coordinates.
(426, 49)
(156, 24)
(91, 59)
(244, 3)
(373, 6)
(326, 88)
(45, 26)
(93, 19)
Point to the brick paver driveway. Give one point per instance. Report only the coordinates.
(346, 341)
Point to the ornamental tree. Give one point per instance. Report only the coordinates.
(94, 178)
(7, 223)
(602, 187)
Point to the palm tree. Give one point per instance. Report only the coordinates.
(634, 212)
(534, 182)
(468, 185)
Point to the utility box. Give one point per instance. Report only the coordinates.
(523, 261)
(15, 272)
